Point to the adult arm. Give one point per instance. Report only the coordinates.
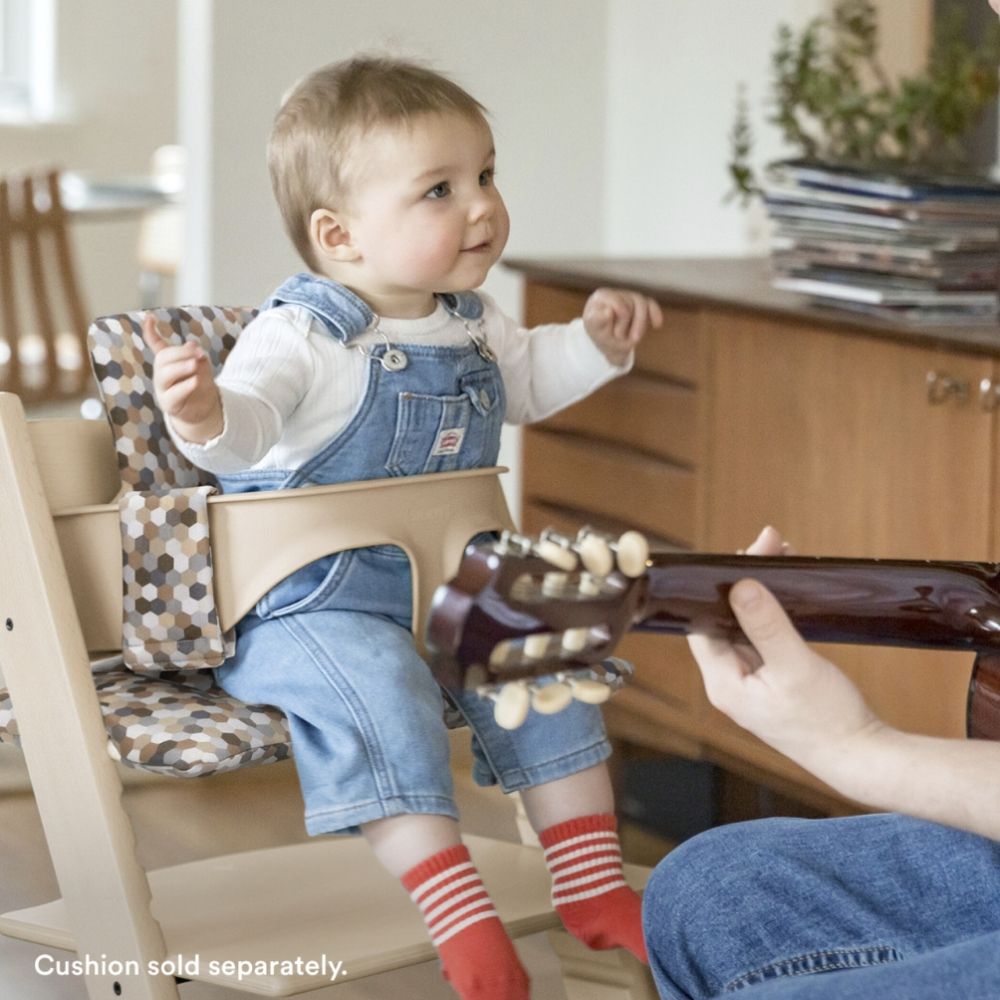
(802, 705)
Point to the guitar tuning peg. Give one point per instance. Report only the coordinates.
(551, 698)
(553, 584)
(511, 704)
(556, 549)
(574, 640)
(536, 646)
(599, 553)
(589, 691)
(632, 553)
(595, 552)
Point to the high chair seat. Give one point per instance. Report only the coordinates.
(182, 725)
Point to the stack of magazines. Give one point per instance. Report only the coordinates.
(918, 248)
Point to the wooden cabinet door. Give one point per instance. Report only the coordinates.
(833, 439)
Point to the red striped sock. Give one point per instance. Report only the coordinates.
(477, 956)
(589, 890)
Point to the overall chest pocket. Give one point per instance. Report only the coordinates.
(444, 433)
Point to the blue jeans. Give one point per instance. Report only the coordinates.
(884, 906)
(365, 715)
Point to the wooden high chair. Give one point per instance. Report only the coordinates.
(61, 606)
(43, 322)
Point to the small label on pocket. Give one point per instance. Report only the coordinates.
(449, 441)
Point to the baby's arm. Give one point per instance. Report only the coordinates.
(616, 320)
(802, 705)
(184, 386)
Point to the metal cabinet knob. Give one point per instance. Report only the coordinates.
(941, 388)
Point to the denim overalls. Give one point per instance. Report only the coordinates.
(331, 644)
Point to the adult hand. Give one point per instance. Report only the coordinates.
(777, 687)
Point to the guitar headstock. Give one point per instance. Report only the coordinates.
(522, 608)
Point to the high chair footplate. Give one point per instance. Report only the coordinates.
(307, 903)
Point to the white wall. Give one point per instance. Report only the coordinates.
(116, 93)
(538, 67)
(674, 68)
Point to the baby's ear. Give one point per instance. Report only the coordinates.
(330, 237)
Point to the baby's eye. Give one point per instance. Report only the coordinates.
(441, 190)
(486, 177)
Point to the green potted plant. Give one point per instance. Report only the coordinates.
(833, 101)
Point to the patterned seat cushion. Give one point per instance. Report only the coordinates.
(182, 726)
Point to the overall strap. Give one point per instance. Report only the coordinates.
(345, 314)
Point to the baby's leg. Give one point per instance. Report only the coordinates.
(557, 764)
(372, 751)
(575, 821)
(426, 853)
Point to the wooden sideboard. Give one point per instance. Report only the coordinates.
(753, 407)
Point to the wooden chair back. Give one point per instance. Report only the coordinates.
(43, 321)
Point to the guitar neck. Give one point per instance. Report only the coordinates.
(945, 605)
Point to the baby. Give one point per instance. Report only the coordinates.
(382, 361)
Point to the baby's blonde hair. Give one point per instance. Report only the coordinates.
(329, 111)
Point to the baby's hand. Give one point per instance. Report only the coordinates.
(616, 321)
(184, 386)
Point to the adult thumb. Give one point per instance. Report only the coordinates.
(765, 622)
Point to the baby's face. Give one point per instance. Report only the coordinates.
(423, 208)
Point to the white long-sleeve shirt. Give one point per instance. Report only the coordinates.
(288, 386)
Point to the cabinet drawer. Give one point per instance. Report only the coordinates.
(645, 414)
(664, 667)
(552, 304)
(675, 351)
(595, 478)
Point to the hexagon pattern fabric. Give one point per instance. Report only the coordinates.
(180, 725)
(123, 367)
(169, 618)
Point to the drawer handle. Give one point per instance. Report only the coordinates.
(989, 394)
(941, 388)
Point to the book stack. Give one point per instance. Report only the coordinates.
(905, 246)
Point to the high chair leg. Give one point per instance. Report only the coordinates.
(88, 834)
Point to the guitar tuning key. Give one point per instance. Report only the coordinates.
(595, 551)
(556, 549)
(589, 691)
(536, 646)
(547, 699)
(632, 553)
(513, 544)
(600, 553)
(554, 584)
(574, 640)
(511, 704)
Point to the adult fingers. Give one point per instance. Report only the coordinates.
(765, 623)
(722, 668)
(768, 543)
